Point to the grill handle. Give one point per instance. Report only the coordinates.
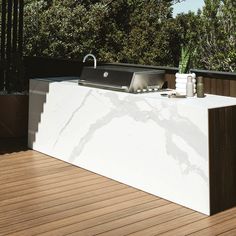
(104, 86)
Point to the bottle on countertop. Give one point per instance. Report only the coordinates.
(190, 87)
(200, 87)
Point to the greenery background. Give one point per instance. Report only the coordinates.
(132, 31)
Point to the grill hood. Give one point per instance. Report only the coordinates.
(120, 78)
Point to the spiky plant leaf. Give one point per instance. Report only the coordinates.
(184, 59)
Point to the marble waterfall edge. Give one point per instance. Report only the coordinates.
(151, 143)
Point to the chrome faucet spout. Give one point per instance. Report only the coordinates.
(94, 59)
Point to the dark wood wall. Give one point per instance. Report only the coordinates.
(224, 87)
(218, 86)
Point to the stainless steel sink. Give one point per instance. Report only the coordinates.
(121, 78)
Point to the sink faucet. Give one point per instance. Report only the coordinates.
(94, 58)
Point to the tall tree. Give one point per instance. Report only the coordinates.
(62, 29)
(217, 38)
(147, 41)
(134, 31)
(121, 30)
(188, 30)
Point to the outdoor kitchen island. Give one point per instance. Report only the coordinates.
(183, 150)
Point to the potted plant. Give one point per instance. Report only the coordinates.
(182, 75)
(13, 99)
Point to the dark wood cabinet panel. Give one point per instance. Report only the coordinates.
(222, 158)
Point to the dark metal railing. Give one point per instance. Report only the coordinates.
(11, 41)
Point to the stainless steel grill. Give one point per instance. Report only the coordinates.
(120, 78)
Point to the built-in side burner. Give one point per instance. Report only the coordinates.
(121, 78)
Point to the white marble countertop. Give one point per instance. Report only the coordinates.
(208, 102)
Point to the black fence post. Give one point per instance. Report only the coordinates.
(3, 44)
(15, 24)
(20, 28)
(8, 46)
(11, 44)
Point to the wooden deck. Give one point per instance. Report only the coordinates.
(40, 195)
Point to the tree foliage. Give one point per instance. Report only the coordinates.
(217, 36)
(133, 31)
(63, 29)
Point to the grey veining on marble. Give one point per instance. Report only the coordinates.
(70, 118)
(175, 124)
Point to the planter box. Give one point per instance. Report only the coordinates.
(13, 116)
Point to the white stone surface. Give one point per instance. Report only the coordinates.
(156, 144)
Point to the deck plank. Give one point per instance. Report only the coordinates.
(45, 196)
(92, 226)
(151, 226)
(229, 233)
(192, 228)
(226, 225)
(116, 225)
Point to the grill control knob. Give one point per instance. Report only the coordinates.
(105, 74)
(139, 91)
(150, 89)
(144, 90)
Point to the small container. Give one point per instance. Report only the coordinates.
(190, 87)
(200, 87)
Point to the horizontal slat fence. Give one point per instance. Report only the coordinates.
(217, 86)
